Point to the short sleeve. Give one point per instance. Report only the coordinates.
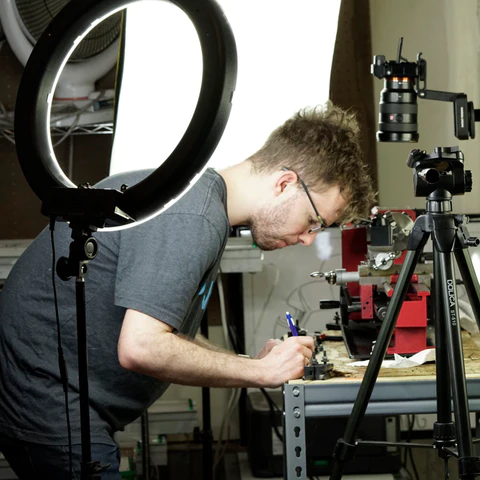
(162, 262)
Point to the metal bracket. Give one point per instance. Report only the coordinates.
(295, 454)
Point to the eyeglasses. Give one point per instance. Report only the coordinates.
(322, 226)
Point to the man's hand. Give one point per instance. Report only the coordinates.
(285, 361)
(267, 348)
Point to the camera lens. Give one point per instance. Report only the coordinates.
(398, 110)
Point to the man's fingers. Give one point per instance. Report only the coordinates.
(272, 343)
(304, 340)
(306, 352)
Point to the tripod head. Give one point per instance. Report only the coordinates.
(441, 169)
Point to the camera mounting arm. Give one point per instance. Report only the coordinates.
(464, 113)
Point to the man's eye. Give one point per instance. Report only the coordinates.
(312, 221)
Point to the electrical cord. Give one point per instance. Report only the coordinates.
(61, 358)
(71, 128)
(407, 450)
(223, 313)
(219, 449)
(409, 433)
(229, 331)
(4, 135)
(273, 406)
(410, 452)
(233, 336)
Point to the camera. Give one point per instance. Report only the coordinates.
(398, 100)
(404, 82)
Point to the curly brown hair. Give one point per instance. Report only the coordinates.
(322, 145)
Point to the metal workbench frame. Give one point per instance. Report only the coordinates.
(335, 398)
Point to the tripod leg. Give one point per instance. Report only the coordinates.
(469, 277)
(444, 428)
(344, 449)
(467, 463)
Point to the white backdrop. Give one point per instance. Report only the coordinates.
(285, 51)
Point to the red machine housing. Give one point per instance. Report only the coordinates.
(409, 335)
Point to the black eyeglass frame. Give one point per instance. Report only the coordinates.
(322, 225)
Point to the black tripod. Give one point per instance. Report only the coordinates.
(439, 176)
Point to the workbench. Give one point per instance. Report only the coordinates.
(396, 392)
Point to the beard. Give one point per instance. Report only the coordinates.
(267, 224)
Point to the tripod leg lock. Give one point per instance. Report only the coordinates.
(344, 452)
(468, 466)
(444, 433)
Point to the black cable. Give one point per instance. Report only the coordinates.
(447, 470)
(61, 359)
(273, 406)
(231, 330)
(404, 451)
(233, 337)
(411, 423)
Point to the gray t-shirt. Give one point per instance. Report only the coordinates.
(165, 268)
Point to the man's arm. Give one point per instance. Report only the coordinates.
(148, 346)
(201, 341)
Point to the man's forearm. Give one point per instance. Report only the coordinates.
(204, 342)
(148, 346)
(175, 359)
(201, 341)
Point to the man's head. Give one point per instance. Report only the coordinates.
(319, 177)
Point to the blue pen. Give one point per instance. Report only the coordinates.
(292, 326)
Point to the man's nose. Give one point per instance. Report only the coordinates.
(306, 238)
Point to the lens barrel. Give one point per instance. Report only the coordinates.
(398, 110)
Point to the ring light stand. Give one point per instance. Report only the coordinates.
(88, 209)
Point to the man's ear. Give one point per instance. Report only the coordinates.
(283, 179)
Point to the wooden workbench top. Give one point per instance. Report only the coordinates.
(337, 354)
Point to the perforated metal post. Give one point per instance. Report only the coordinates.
(294, 445)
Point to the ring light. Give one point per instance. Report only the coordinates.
(127, 206)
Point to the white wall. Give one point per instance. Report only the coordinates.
(448, 34)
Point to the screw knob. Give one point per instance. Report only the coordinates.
(468, 180)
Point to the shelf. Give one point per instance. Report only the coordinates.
(88, 123)
(93, 129)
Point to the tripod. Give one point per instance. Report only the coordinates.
(449, 235)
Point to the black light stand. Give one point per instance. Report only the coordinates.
(145, 446)
(449, 235)
(206, 434)
(83, 249)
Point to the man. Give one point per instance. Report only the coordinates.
(148, 287)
